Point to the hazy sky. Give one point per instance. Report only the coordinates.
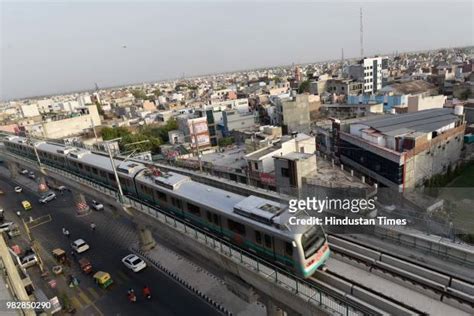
(53, 47)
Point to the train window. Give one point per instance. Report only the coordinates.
(268, 241)
(194, 209)
(95, 171)
(177, 203)
(80, 165)
(103, 174)
(88, 169)
(216, 219)
(312, 240)
(161, 196)
(236, 227)
(209, 216)
(258, 237)
(289, 249)
(111, 177)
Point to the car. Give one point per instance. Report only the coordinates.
(5, 227)
(134, 262)
(32, 175)
(24, 172)
(29, 261)
(97, 205)
(18, 189)
(47, 197)
(80, 246)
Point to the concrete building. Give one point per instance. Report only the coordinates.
(233, 121)
(293, 114)
(345, 111)
(149, 106)
(29, 110)
(194, 129)
(290, 169)
(375, 73)
(176, 137)
(45, 105)
(403, 151)
(344, 86)
(419, 102)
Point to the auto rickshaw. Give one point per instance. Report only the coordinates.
(85, 265)
(103, 279)
(60, 256)
(26, 205)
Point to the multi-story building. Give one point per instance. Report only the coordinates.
(375, 73)
(402, 151)
(344, 86)
(293, 114)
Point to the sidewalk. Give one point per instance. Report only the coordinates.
(200, 281)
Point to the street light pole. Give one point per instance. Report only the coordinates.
(197, 147)
(112, 163)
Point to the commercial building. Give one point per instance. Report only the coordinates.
(372, 72)
(402, 151)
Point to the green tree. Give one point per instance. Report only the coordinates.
(139, 94)
(114, 132)
(304, 87)
(226, 141)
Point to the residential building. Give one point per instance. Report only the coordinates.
(345, 111)
(195, 130)
(293, 114)
(29, 110)
(233, 120)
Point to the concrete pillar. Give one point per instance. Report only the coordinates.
(145, 238)
(352, 173)
(82, 208)
(342, 167)
(362, 179)
(332, 162)
(42, 186)
(273, 309)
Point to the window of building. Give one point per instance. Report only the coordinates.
(236, 227)
(285, 172)
(194, 209)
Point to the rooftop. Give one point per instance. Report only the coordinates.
(296, 156)
(422, 121)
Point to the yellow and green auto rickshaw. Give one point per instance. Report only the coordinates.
(26, 205)
(103, 279)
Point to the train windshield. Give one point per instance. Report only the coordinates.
(312, 240)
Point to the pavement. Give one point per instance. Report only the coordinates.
(109, 244)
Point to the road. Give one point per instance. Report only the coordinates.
(109, 243)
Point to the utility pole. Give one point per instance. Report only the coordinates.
(112, 163)
(197, 146)
(361, 35)
(93, 129)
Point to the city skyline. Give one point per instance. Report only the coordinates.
(64, 63)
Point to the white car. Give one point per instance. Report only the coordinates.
(29, 261)
(18, 189)
(97, 205)
(47, 197)
(134, 263)
(4, 227)
(80, 246)
(32, 175)
(24, 172)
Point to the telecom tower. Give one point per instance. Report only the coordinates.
(361, 36)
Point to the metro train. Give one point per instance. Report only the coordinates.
(254, 224)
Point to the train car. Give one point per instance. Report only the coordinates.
(252, 223)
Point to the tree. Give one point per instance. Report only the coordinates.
(304, 87)
(226, 141)
(139, 94)
(114, 132)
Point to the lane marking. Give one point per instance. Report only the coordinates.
(76, 303)
(48, 219)
(85, 298)
(123, 276)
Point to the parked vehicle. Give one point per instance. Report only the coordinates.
(24, 172)
(80, 246)
(47, 197)
(14, 230)
(96, 205)
(5, 227)
(18, 189)
(60, 255)
(32, 175)
(29, 261)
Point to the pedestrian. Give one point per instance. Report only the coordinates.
(93, 226)
(64, 231)
(67, 233)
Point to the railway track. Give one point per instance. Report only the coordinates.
(440, 285)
